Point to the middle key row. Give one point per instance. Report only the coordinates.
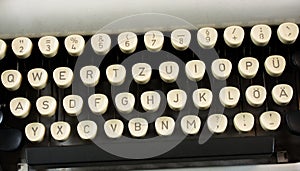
(141, 72)
(151, 100)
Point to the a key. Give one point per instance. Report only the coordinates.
(20, 107)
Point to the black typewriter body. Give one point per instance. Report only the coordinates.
(129, 151)
(254, 147)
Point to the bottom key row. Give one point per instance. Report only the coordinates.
(164, 126)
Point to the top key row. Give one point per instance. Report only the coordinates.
(180, 38)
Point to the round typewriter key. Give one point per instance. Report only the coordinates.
(234, 36)
(22, 47)
(3, 48)
(180, 39)
(270, 120)
(127, 42)
(288, 32)
(154, 40)
(74, 44)
(261, 34)
(48, 46)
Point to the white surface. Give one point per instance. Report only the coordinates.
(101, 43)
(3, 48)
(55, 17)
(270, 120)
(217, 123)
(190, 124)
(265, 167)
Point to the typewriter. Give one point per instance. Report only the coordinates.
(149, 85)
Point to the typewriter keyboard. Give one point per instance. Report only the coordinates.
(207, 94)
